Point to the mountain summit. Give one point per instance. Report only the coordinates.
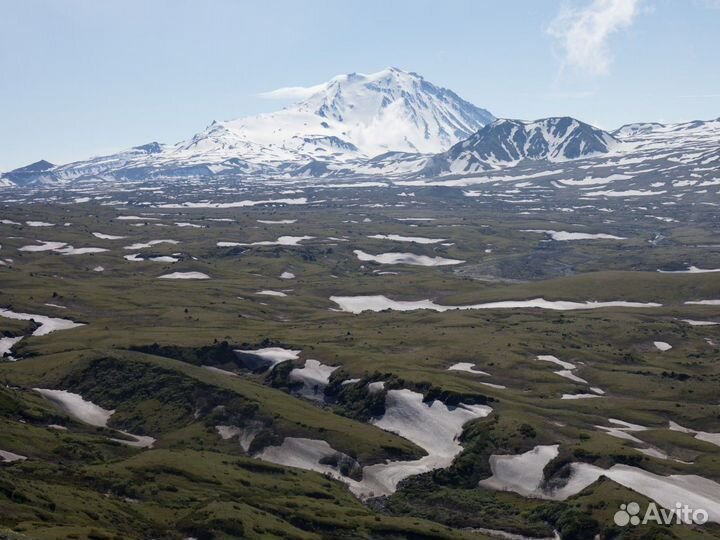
(350, 116)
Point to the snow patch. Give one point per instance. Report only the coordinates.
(281, 241)
(315, 376)
(184, 275)
(405, 258)
(564, 236)
(47, 324)
(401, 238)
(467, 367)
(376, 303)
(76, 406)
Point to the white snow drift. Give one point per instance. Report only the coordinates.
(91, 414)
(47, 324)
(405, 258)
(267, 292)
(691, 270)
(281, 241)
(76, 406)
(564, 236)
(9, 457)
(468, 367)
(272, 355)
(103, 236)
(358, 304)
(432, 426)
(184, 275)
(60, 247)
(401, 238)
(143, 245)
(6, 343)
(713, 438)
(314, 377)
(523, 474)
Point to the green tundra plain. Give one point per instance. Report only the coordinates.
(145, 345)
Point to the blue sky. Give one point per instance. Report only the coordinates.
(85, 77)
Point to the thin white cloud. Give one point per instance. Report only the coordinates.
(292, 92)
(583, 33)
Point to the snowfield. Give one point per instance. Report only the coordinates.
(359, 304)
(556, 360)
(184, 275)
(244, 435)
(9, 457)
(267, 292)
(281, 241)
(143, 245)
(401, 238)
(523, 474)
(76, 406)
(103, 236)
(693, 490)
(314, 376)
(432, 426)
(468, 367)
(62, 248)
(272, 355)
(237, 204)
(713, 438)
(693, 322)
(303, 454)
(405, 258)
(564, 236)
(44, 246)
(691, 270)
(91, 414)
(7, 343)
(47, 324)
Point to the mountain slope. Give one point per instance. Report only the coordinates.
(350, 118)
(504, 143)
(695, 143)
(28, 172)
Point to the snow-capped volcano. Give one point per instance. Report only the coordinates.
(350, 116)
(395, 111)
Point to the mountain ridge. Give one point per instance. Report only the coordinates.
(395, 124)
(505, 142)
